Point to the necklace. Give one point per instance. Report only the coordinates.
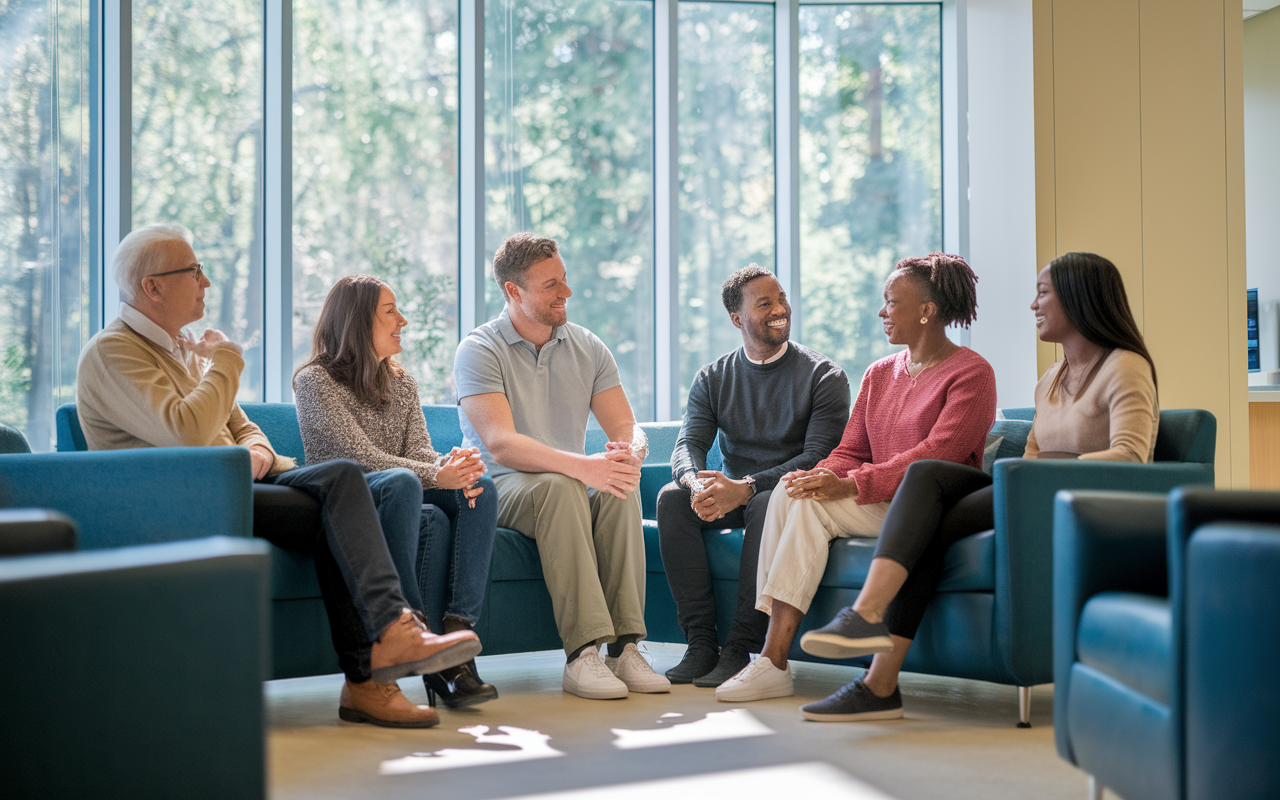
(921, 366)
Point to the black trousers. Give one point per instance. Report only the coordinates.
(684, 556)
(937, 504)
(339, 526)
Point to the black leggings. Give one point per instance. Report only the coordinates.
(937, 504)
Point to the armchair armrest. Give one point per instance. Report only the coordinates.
(25, 531)
(1233, 602)
(1102, 541)
(1023, 495)
(128, 497)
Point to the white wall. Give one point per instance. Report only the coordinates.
(1002, 223)
(1262, 171)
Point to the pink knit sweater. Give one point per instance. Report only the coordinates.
(945, 415)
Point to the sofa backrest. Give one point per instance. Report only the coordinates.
(1185, 434)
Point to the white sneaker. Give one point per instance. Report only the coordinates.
(587, 676)
(635, 672)
(758, 680)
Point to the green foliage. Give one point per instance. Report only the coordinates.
(568, 138)
(375, 183)
(871, 165)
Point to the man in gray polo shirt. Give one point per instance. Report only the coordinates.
(526, 383)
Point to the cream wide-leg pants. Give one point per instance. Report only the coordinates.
(793, 547)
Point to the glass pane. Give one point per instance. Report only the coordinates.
(46, 203)
(870, 166)
(375, 168)
(197, 151)
(725, 167)
(568, 129)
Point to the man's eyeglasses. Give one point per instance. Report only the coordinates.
(197, 268)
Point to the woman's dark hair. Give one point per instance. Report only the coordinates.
(1092, 295)
(948, 282)
(343, 340)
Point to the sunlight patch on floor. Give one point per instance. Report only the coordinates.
(736, 723)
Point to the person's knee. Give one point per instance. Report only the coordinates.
(672, 500)
(342, 471)
(434, 518)
(403, 480)
(552, 485)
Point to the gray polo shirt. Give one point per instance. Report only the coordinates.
(550, 391)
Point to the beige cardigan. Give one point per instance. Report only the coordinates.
(1113, 418)
(131, 393)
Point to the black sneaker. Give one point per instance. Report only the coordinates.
(854, 702)
(732, 660)
(698, 660)
(847, 636)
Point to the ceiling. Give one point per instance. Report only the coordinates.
(1254, 7)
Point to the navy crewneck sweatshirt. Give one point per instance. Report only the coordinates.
(769, 419)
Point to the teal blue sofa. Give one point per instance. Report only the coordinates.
(991, 619)
(1165, 642)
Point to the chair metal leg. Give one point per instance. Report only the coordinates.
(1095, 789)
(1024, 706)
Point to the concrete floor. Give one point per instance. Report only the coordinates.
(958, 741)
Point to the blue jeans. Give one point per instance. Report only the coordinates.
(440, 545)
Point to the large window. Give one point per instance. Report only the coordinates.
(870, 165)
(197, 151)
(568, 154)
(47, 195)
(322, 138)
(726, 167)
(375, 168)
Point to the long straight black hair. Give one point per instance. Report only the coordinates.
(1092, 294)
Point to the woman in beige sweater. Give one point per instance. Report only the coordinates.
(1097, 403)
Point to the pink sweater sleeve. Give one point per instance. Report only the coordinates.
(959, 433)
(855, 446)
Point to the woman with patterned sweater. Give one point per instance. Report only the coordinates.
(354, 401)
(1097, 403)
(934, 400)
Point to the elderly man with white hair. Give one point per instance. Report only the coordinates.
(143, 382)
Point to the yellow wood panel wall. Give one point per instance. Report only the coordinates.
(1139, 157)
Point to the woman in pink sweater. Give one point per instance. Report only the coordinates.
(934, 400)
(1098, 402)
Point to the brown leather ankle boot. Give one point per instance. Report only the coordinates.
(383, 704)
(406, 647)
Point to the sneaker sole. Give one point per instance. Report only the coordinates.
(864, 716)
(651, 690)
(597, 694)
(454, 656)
(833, 645)
(748, 697)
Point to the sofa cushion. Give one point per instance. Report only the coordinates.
(1129, 637)
(515, 558)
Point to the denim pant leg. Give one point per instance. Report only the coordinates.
(397, 494)
(456, 554)
(355, 539)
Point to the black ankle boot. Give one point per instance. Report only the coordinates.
(458, 687)
(698, 660)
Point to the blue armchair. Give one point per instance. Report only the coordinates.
(1165, 645)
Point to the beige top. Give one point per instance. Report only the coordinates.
(1113, 417)
(335, 424)
(133, 392)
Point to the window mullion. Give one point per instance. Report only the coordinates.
(117, 145)
(666, 211)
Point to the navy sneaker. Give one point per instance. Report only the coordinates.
(698, 660)
(732, 660)
(847, 636)
(854, 702)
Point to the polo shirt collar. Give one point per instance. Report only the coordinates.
(147, 329)
(511, 336)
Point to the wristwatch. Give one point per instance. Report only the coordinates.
(751, 481)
